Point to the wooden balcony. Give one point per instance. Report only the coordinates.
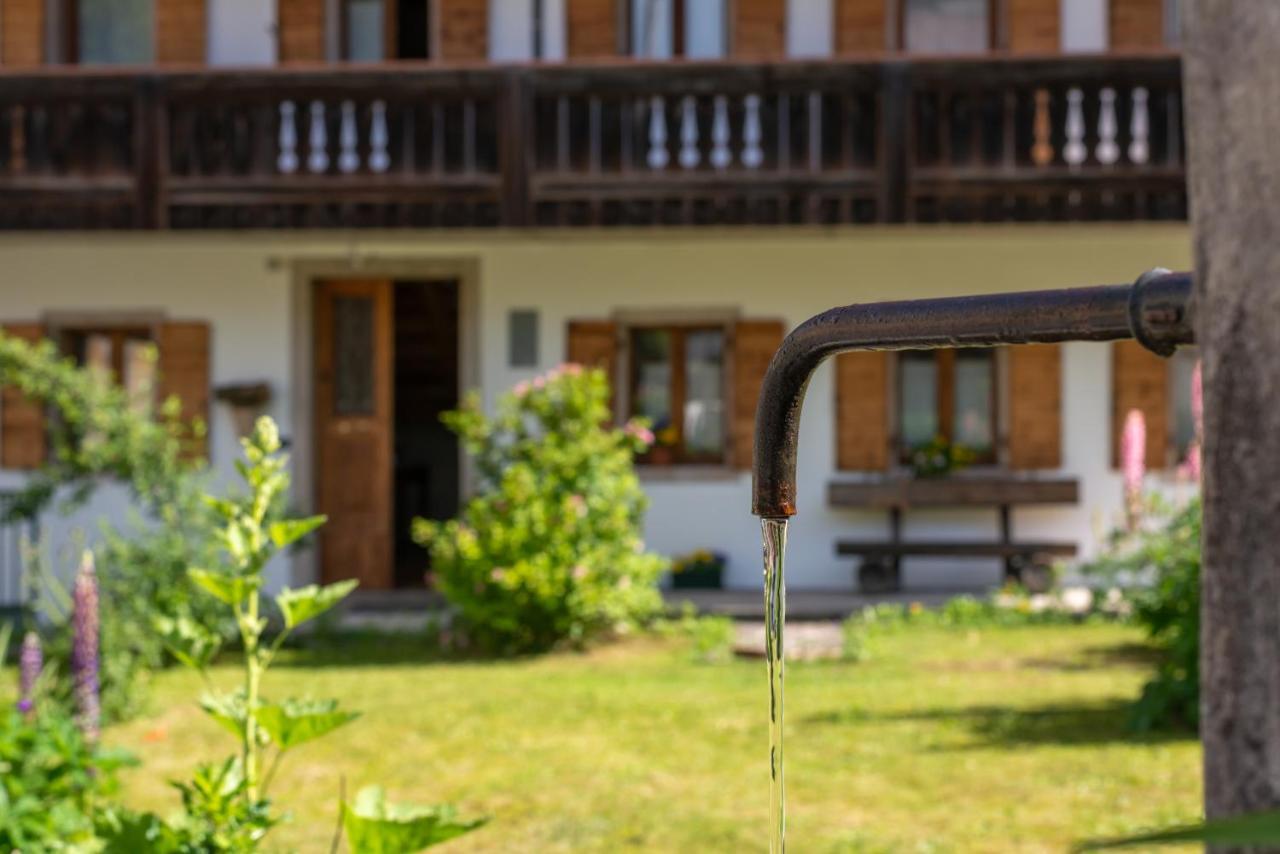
(623, 144)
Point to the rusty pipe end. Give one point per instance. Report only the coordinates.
(1162, 311)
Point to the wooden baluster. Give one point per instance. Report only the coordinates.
(752, 132)
(287, 158)
(469, 135)
(317, 140)
(348, 157)
(1139, 130)
(721, 153)
(1107, 152)
(17, 139)
(1041, 130)
(627, 119)
(784, 133)
(562, 133)
(437, 138)
(1074, 151)
(658, 156)
(379, 159)
(595, 120)
(815, 131)
(689, 154)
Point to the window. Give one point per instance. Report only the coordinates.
(948, 394)
(946, 26)
(522, 338)
(661, 29)
(521, 30)
(677, 382)
(111, 31)
(373, 30)
(123, 354)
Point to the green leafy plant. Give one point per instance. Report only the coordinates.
(939, 457)
(226, 807)
(710, 639)
(375, 826)
(550, 549)
(98, 433)
(52, 780)
(1166, 548)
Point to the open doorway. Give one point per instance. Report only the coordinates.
(386, 363)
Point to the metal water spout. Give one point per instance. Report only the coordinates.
(1157, 310)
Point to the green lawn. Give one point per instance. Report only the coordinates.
(946, 740)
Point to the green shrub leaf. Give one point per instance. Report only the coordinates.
(305, 603)
(297, 722)
(374, 826)
(187, 640)
(288, 531)
(226, 588)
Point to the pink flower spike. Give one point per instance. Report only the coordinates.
(1133, 462)
(1197, 400)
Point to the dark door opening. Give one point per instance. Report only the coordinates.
(425, 468)
(413, 29)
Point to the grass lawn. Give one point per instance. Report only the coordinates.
(945, 740)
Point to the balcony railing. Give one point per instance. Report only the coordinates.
(1096, 138)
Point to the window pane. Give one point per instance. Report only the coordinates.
(353, 356)
(975, 393)
(1182, 367)
(522, 340)
(99, 355)
(139, 374)
(946, 26)
(704, 392)
(918, 413)
(364, 30)
(115, 31)
(652, 393)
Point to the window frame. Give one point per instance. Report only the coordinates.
(679, 332)
(944, 403)
(69, 36)
(996, 29)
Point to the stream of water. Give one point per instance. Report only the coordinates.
(775, 617)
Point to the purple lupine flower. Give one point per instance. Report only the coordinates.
(84, 650)
(1133, 463)
(30, 663)
(1197, 399)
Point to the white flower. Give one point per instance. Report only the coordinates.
(1077, 600)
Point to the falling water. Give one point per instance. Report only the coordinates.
(775, 615)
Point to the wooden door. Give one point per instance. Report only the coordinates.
(353, 367)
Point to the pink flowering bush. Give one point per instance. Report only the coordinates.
(1133, 465)
(550, 550)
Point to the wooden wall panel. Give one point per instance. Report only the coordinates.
(593, 28)
(754, 343)
(22, 25)
(860, 26)
(301, 24)
(1136, 24)
(1140, 380)
(181, 31)
(862, 411)
(758, 29)
(184, 365)
(23, 438)
(464, 30)
(1034, 26)
(1035, 406)
(594, 344)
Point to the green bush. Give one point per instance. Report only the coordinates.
(52, 780)
(550, 549)
(709, 638)
(1168, 609)
(98, 435)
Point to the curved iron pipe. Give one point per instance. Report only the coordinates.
(1157, 310)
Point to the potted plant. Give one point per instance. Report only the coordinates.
(663, 452)
(702, 569)
(939, 458)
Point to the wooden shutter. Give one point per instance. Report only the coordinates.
(301, 30)
(592, 28)
(1034, 25)
(594, 344)
(1139, 380)
(754, 343)
(1035, 406)
(860, 26)
(22, 25)
(862, 411)
(22, 427)
(759, 29)
(464, 30)
(180, 31)
(184, 373)
(1136, 23)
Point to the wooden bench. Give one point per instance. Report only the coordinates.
(1029, 562)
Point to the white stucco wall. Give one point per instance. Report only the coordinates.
(248, 286)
